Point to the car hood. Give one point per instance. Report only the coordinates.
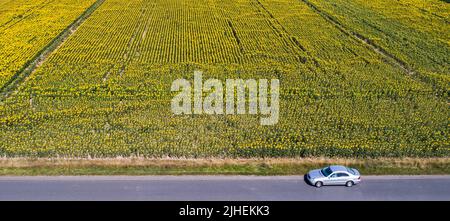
(314, 174)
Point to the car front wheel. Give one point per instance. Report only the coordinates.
(349, 184)
(318, 184)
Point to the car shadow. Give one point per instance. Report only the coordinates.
(307, 181)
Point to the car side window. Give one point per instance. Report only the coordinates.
(342, 175)
(333, 176)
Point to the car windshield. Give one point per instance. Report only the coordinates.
(326, 171)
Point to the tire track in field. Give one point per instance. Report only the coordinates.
(288, 38)
(11, 87)
(235, 35)
(425, 11)
(387, 56)
(25, 15)
(361, 38)
(132, 47)
(135, 39)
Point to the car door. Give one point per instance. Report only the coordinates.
(342, 178)
(333, 179)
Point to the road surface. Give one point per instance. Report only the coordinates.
(236, 188)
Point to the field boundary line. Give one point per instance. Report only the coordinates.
(389, 57)
(20, 76)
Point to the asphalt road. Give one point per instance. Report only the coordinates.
(239, 188)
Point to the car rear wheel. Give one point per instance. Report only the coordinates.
(318, 184)
(349, 184)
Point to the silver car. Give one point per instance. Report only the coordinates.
(334, 175)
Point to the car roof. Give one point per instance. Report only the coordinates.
(337, 168)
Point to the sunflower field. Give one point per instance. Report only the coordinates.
(105, 91)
